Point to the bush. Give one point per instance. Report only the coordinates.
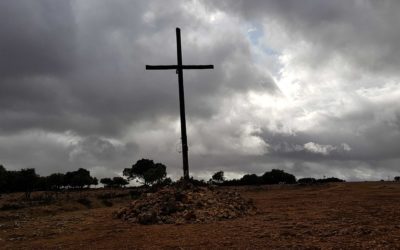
(307, 180)
(330, 179)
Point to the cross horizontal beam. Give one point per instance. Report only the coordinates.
(165, 67)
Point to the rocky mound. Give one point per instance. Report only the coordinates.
(177, 205)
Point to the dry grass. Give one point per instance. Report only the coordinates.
(334, 216)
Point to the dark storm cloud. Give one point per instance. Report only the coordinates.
(38, 37)
(73, 84)
(80, 65)
(353, 43)
(364, 32)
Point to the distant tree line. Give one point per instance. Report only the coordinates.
(114, 182)
(144, 171)
(310, 180)
(275, 176)
(26, 180)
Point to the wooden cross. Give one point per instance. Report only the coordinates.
(179, 70)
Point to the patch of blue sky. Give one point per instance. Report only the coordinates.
(257, 38)
(262, 54)
(255, 34)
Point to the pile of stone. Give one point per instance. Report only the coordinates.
(190, 204)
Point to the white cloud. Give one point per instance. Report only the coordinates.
(319, 149)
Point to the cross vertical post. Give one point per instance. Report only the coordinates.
(179, 70)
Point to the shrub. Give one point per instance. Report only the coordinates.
(307, 180)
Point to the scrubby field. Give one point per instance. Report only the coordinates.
(332, 216)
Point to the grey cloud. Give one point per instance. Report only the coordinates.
(78, 66)
(364, 33)
(99, 49)
(37, 38)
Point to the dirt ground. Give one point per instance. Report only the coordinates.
(333, 216)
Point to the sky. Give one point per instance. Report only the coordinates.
(309, 87)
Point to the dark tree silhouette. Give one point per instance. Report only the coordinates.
(55, 181)
(307, 180)
(218, 177)
(95, 181)
(397, 178)
(26, 180)
(276, 176)
(119, 182)
(3, 179)
(114, 182)
(146, 171)
(107, 182)
(78, 179)
(330, 179)
(250, 179)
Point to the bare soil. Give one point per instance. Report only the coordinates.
(333, 216)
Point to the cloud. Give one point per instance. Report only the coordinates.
(313, 88)
(324, 149)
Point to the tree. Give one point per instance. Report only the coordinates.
(26, 180)
(330, 179)
(397, 178)
(114, 182)
(276, 176)
(307, 180)
(3, 179)
(95, 181)
(78, 179)
(119, 182)
(107, 182)
(146, 171)
(55, 181)
(218, 177)
(250, 179)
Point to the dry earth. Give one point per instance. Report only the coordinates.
(335, 216)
